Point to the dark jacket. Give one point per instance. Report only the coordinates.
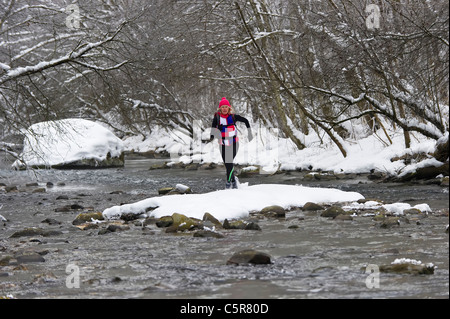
(220, 131)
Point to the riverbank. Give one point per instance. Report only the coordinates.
(312, 256)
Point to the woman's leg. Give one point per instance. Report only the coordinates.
(228, 155)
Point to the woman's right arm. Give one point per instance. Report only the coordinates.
(214, 130)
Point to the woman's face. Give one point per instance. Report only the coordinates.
(224, 109)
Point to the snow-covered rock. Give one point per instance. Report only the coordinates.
(232, 204)
(70, 143)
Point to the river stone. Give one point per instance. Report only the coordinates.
(207, 217)
(180, 189)
(235, 224)
(113, 227)
(128, 217)
(165, 190)
(29, 232)
(116, 228)
(87, 226)
(39, 190)
(208, 234)
(159, 166)
(252, 226)
(29, 258)
(164, 221)
(12, 188)
(182, 223)
(390, 222)
(87, 217)
(333, 211)
(273, 211)
(343, 217)
(249, 256)
(6, 260)
(240, 224)
(51, 221)
(309, 206)
(412, 211)
(408, 268)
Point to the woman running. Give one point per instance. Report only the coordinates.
(224, 129)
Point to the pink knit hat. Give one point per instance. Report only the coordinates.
(224, 102)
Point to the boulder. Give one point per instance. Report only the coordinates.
(343, 217)
(273, 211)
(249, 256)
(309, 206)
(178, 222)
(333, 212)
(29, 257)
(240, 224)
(164, 221)
(208, 234)
(207, 217)
(114, 227)
(29, 232)
(87, 217)
(159, 166)
(390, 222)
(177, 190)
(404, 266)
(165, 190)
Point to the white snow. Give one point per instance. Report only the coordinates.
(65, 141)
(236, 203)
(412, 262)
(394, 208)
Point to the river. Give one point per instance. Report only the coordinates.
(316, 258)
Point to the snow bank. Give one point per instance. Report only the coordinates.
(271, 152)
(67, 141)
(236, 203)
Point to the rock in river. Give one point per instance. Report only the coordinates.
(273, 211)
(249, 256)
(28, 232)
(87, 217)
(333, 212)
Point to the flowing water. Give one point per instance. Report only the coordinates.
(312, 257)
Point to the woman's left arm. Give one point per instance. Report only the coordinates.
(239, 118)
(242, 119)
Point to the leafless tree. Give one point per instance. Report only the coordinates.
(320, 65)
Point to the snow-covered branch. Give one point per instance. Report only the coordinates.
(18, 72)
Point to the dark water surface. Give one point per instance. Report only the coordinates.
(320, 258)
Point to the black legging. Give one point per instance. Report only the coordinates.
(228, 154)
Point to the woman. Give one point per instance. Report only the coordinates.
(224, 128)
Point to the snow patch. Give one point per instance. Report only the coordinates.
(231, 204)
(66, 141)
